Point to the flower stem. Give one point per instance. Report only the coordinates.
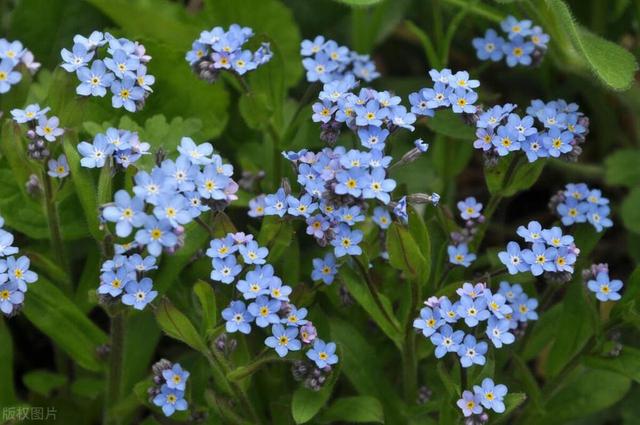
(55, 232)
(409, 360)
(114, 377)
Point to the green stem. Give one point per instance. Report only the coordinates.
(57, 244)
(114, 377)
(409, 360)
(374, 293)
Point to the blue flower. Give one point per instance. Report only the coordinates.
(421, 145)
(524, 126)
(94, 155)
(319, 68)
(30, 113)
(126, 211)
(317, 226)
(441, 76)
(538, 37)
(565, 259)
(558, 142)
(448, 311)
(170, 400)
(377, 186)
(346, 241)
(551, 118)
(438, 96)
(225, 270)
(419, 104)
(301, 207)
(446, 341)
(534, 148)
(94, 81)
(323, 354)
(151, 187)
(237, 317)
(211, 184)
(506, 140)
(276, 204)
(484, 139)
(490, 395)
(6, 240)
(497, 304)
(156, 234)
(516, 28)
(532, 233)
(220, 248)
(277, 290)
(8, 76)
(295, 317)
(19, 273)
(323, 111)
(572, 211)
(604, 288)
(77, 58)
(350, 182)
(308, 47)
(469, 404)
(173, 208)
(256, 282)
(498, 332)
(122, 64)
(540, 258)
(143, 79)
(401, 118)
(48, 128)
(113, 283)
(265, 311)
(461, 80)
(139, 294)
(252, 253)
(58, 168)
(471, 290)
(469, 208)
(95, 39)
(198, 154)
(598, 217)
(524, 308)
(510, 292)
(381, 217)
(473, 310)
(472, 352)
(325, 269)
(257, 206)
(429, 321)
(125, 94)
(136, 263)
(518, 52)
(283, 339)
(10, 297)
(460, 255)
(176, 377)
(462, 101)
(489, 47)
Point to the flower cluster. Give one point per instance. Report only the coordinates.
(123, 69)
(326, 61)
(455, 91)
(371, 114)
(12, 55)
(503, 312)
(170, 382)
(487, 395)
(525, 44)
(599, 282)
(267, 297)
(550, 252)
(164, 201)
(471, 212)
(218, 50)
(124, 146)
(14, 274)
(41, 131)
(579, 204)
(554, 129)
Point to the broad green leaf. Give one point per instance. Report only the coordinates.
(573, 329)
(512, 175)
(58, 317)
(627, 363)
(207, 299)
(43, 382)
(621, 167)
(255, 110)
(609, 62)
(543, 332)
(511, 402)
(629, 306)
(453, 388)
(382, 314)
(586, 238)
(141, 338)
(87, 387)
(405, 254)
(178, 326)
(306, 403)
(276, 235)
(359, 409)
(630, 210)
(584, 392)
(450, 124)
(268, 17)
(7, 389)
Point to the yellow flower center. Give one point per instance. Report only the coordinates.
(156, 234)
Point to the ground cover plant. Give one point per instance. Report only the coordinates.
(341, 211)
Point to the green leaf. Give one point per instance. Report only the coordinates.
(178, 326)
(359, 3)
(268, 17)
(7, 389)
(609, 62)
(141, 338)
(630, 210)
(306, 403)
(354, 410)
(453, 388)
(621, 167)
(511, 402)
(450, 124)
(627, 363)
(573, 329)
(255, 110)
(58, 317)
(628, 307)
(543, 332)
(382, 314)
(43, 382)
(405, 254)
(583, 393)
(276, 234)
(87, 387)
(512, 174)
(207, 300)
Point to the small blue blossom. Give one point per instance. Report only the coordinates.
(170, 400)
(472, 352)
(429, 321)
(225, 270)
(265, 311)
(346, 241)
(113, 283)
(94, 81)
(19, 273)
(324, 269)
(75, 59)
(176, 377)
(295, 317)
(323, 354)
(518, 51)
(256, 282)
(469, 208)
(30, 113)
(127, 212)
(155, 235)
(252, 253)
(491, 396)
(489, 47)
(283, 339)
(238, 319)
(460, 255)
(540, 258)
(139, 294)
(473, 310)
(58, 168)
(498, 332)
(604, 288)
(463, 101)
(469, 404)
(532, 233)
(11, 297)
(572, 211)
(94, 155)
(382, 217)
(446, 340)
